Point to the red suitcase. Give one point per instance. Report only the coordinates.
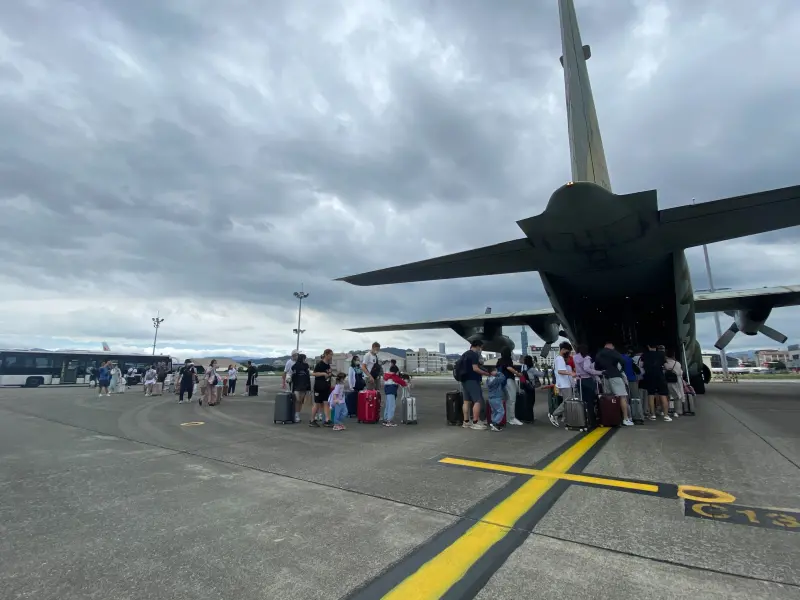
(502, 422)
(610, 410)
(368, 409)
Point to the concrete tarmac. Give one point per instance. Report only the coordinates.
(142, 498)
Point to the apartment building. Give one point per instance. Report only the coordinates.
(425, 361)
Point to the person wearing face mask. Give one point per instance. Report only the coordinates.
(322, 389)
(565, 382)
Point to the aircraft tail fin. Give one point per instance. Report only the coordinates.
(106, 347)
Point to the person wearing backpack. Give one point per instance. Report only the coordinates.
(469, 372)
(673, 373)
(371, 367)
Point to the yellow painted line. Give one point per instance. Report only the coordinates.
(628, 485)
(434, 578)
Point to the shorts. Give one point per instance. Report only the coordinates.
(104, 383)
(618, 387)
(655, 386)
(472, 391)
(321, 397)
(301, 395)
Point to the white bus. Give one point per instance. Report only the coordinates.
(32, 368)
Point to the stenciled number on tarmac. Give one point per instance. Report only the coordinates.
(768, 518)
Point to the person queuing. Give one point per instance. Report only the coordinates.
(322, 389)
(252, 373)
(231, 380)
(565, 378)
(505, 364)
(286, 376)
(188, 376)
(301, 384)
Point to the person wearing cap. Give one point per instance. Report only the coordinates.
(287, 370)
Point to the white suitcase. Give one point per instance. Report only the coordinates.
(408, 410)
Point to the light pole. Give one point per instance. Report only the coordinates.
(723, 358)
(301, 295)
(156, 323)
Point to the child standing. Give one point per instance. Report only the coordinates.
(391, 382)
(337, 403)
(496, 383)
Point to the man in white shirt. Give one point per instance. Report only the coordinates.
(565, 380)
(371, 366)
(287, 370)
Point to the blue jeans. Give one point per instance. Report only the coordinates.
(498, 412)
(339, 414)
(388, 413)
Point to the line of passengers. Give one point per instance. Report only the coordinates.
(327, 392)
(656, 374)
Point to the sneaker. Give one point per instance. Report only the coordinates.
(337, 427)
(627, 423)
(515, 421)
(494, 427)
(667, 419)
(553, 420)
(313, 423)
(328, 424)
(478, 427)
(99, 395)
(467, 424)
(675, 416)
(390, 424)
(180, 401)
(297, 418)
(652, 418)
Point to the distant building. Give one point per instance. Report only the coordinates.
(548, 360)
(713, 361)
(442, 348)
(524, 339)
(764, 357)
(425, 361)
(794, 356)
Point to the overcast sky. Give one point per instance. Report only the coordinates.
(204, 158)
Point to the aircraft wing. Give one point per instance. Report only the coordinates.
(730, 300)
(513, 318)
(729, 218)
(517, 256)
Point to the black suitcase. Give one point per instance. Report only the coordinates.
(284, 408)
(455, 414)
(253, 390)
(523, 409)
(351, 401)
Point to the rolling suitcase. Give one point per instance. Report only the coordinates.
(369, 406)
(689, 398)
(576, 412)
(284, 408)
(503, 421)
(408, 409)
(351, 401)
(253, 390)
(610, 410)
(523, 409)
(158, 389)
(453, 403)
(637, 410)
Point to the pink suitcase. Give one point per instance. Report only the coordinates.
(368, 409)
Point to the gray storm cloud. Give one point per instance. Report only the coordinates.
(224, 156)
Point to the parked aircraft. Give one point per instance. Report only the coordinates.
(612, 265)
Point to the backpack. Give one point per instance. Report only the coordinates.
(375, 371)
(460, 368)
(636, 369)
(359, 380)
(671, 376)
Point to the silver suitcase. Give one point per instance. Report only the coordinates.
(408, 410)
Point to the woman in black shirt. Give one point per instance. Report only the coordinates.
(322, 389)
(301, 384)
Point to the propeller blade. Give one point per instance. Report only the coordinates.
(545, 350)
(773, 334)
(726, 337)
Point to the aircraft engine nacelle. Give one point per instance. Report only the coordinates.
(491, 335)
(750, 322)
(549, 331)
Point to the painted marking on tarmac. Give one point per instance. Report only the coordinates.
(193, 423)
(766, 518)
(663, 490)
(459, 561)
